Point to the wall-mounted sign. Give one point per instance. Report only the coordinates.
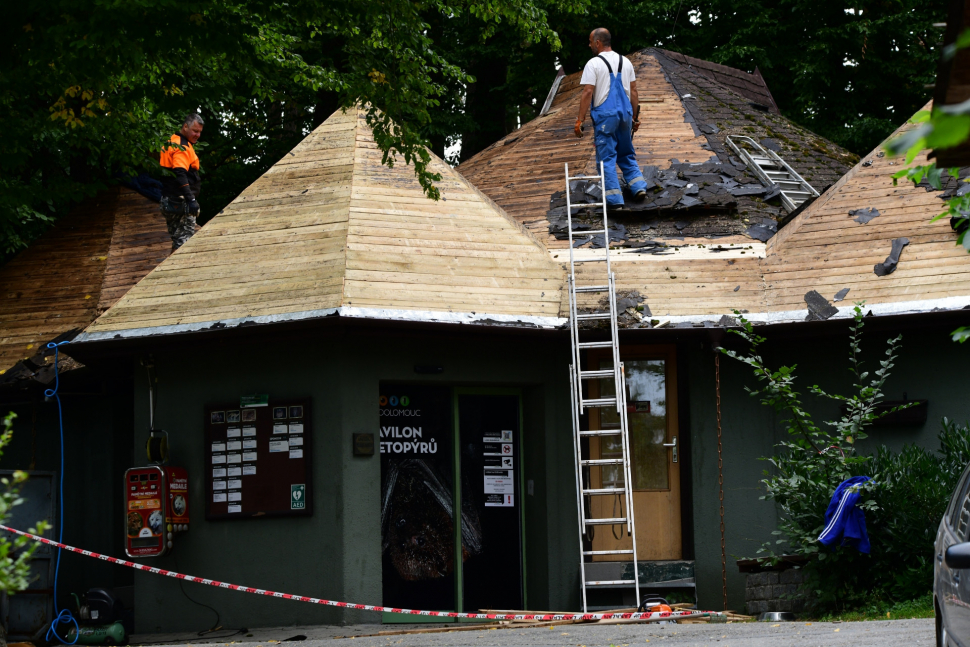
(258, 459)
(363, 444)
(254, 400)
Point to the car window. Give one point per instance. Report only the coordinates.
(958, 513)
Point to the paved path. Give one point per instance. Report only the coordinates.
(888, 633)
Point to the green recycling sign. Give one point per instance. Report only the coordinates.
(298, 497)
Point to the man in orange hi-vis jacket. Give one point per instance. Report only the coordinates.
(180, 187)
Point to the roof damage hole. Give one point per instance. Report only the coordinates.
(819, 309)
(862, 216)
(889, 265)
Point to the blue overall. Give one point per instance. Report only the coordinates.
(613, 128)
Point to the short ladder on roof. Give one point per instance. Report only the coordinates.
(585, 490)
(772, 170)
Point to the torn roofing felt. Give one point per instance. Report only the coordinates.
(331, 231)
(687, 110)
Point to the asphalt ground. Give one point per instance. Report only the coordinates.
(884, 633)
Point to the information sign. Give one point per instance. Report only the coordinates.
(258, 459)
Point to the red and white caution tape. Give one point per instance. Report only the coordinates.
(652, 615)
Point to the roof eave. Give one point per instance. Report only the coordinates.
(349, 312)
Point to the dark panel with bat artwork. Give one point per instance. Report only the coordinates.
(258, 460)
(417, 499)
(417, 439)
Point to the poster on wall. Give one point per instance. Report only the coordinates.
(417, 498)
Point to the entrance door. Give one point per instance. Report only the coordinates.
(488, 427)
(451, 506)
(651, 378)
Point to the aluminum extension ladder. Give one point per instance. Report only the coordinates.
(771, 169)
(585, 492)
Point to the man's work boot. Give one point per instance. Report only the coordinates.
(639, 188)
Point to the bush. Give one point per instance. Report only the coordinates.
(903, 502)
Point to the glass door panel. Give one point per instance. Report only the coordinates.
(646, 393)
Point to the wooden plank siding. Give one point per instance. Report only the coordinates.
(825, 249)
(329, 226)
(70, 274)
(139, 242)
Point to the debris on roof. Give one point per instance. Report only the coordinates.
(863, 216)
(688, 108)
(889, 265)
(39, 367)
(840, 295)
(819, 309)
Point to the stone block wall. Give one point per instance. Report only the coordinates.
(775, 591)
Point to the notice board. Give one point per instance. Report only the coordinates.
(258, 460)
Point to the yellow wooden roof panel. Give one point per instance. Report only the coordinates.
(330, 226)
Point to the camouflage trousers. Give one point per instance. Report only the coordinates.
(181, 224)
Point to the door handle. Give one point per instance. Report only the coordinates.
(673, 450)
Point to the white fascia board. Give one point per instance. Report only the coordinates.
(379, 314)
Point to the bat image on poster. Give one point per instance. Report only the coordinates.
(416, 522)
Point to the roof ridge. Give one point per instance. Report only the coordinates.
(696, 64)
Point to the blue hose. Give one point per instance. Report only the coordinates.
(63, 616)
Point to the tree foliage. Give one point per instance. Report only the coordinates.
(851, 72)
(903, 500)
(15, 554)
(91, 89)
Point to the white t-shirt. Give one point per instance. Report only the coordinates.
(596, 74)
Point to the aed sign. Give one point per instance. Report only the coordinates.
(297, 497)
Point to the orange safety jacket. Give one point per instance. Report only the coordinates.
(185, 164)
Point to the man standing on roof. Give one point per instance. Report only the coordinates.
(610, 84)
(181, 186)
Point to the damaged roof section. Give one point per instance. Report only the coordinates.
(698, 188)
(865, 239)
(706, 193)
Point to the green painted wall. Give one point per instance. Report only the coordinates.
(98, 448)
(336, 553)
(930, 366)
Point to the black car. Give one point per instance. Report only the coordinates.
(951, 575)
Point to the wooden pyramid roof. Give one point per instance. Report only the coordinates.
(74, 272)
(329, 230)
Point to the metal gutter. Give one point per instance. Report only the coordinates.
(523, 321)
(419, 316)
(844, 312)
